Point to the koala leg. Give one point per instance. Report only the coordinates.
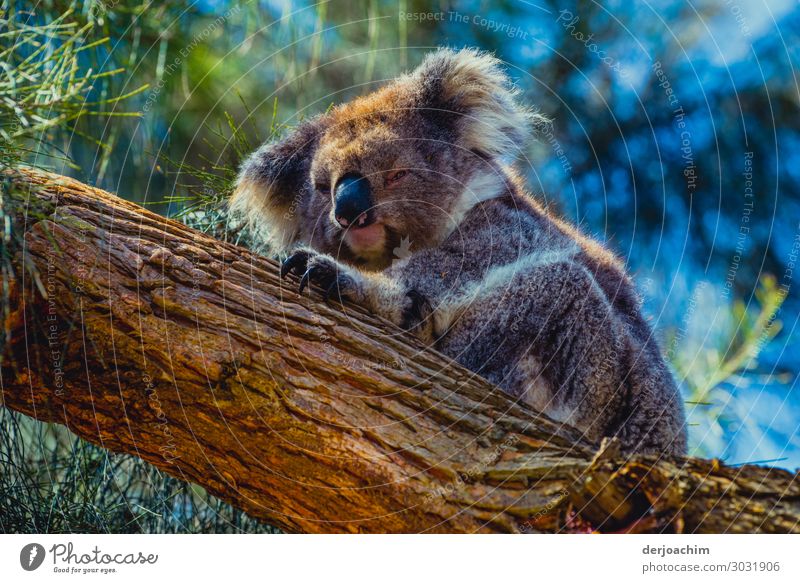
(381, 295)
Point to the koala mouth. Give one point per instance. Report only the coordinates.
(365, 235)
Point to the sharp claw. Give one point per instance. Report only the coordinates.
(293, 262)
(305, 280)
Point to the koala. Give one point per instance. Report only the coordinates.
(490, 277)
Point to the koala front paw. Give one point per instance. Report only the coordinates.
(296, 263)
(322, 271)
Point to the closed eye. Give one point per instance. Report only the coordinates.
(394, 177)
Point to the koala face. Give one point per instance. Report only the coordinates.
(403, 163)
(383, 172)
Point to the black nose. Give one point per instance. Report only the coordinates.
(353, 199)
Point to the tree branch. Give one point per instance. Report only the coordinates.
(149, 338)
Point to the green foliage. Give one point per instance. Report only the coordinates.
(725, 361)
(202, 190)
(754, 327)
(54, 482)
(46, 89)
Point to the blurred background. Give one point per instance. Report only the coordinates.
(675, 139)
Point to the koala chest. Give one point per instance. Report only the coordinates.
(486, 325)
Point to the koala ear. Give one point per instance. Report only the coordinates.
(473, 86)
(273, 183)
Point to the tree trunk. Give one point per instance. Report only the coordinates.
(149, 338)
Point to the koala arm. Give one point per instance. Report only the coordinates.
(547, 333)
(379, 293)
(542, 330)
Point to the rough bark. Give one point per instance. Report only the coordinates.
(147, 337)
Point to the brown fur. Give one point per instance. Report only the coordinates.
(490, 278)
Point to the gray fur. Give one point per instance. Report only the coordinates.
(492, 280)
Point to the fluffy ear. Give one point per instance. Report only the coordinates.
(473, 85)
(273, 183)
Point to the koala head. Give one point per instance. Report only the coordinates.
(404, 163)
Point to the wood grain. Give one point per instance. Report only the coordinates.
(149, 338)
